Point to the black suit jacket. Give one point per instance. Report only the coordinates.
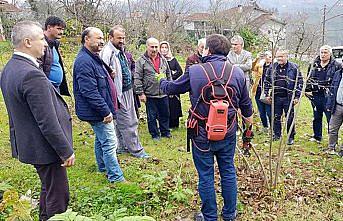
(40, 123)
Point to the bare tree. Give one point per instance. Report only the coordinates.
(162, 19)
(302, 37)
(87, 12)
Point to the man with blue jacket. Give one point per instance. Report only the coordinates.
(335, 106)
(204, 150)
(96, 101)
(318, 85)
(287, 80)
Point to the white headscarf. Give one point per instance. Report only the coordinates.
(169, 56)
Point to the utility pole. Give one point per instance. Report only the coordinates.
(324, 20)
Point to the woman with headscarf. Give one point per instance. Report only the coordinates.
(176, 71)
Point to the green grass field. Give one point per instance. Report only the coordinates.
(165, 187)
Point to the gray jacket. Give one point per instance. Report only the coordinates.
(40, 123)
(243, 61)
(145, 77)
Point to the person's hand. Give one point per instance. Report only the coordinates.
(269, 100)
(295, 101)
(158, 77)
(69, 162)
(309, 94)
(142, 98)
(108, 119)
(113, 74)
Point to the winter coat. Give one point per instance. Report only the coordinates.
(316, 86)
(93, 100)
(145, 81)
(293, 73)
(332, 96)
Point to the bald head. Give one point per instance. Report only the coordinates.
(152, 47)
(93, 39)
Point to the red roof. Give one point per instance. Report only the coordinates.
(201, 16)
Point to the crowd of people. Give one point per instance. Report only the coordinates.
(109, 86)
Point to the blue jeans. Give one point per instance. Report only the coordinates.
(158, 109)
(105, 151)
(203, 156)
(318, 105)
(281, 106)
(264, 111)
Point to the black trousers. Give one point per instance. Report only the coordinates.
(281, 106)
(54, 196)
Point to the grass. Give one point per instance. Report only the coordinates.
(164, 187)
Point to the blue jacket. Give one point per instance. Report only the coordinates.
(195, 79)
(292, 73)
(331, 99)
(92, 92)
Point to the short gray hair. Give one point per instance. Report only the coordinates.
(237, 38)
(201, 41)
(22, 30)
(151, 39)
(268, 53)
(326, 47)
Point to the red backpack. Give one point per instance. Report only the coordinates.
(218, 95)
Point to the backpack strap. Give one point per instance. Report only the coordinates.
(228, 74)
(216, 86)
(224, 78)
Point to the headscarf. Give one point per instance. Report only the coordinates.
(169, 56)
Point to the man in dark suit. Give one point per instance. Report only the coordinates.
(40, 123)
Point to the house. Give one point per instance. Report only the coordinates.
(198, 25)
(230, 21)
(5, 7)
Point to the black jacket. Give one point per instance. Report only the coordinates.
(47, 60)
(293, 73)
(331, 99)
(315, 85)
(40, 123)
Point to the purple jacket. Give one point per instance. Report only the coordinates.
(194, 80)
